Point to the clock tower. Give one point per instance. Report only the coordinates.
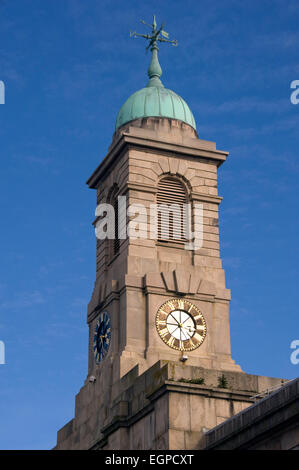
(159, 335)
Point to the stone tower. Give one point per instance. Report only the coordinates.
(159, 314)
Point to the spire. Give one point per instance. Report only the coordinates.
(154, 70)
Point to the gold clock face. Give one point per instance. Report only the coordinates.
(181, 325)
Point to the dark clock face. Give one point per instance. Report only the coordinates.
(102, 337)
(181, 325)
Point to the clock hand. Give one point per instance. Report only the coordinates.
(190, 328)
(174, 319)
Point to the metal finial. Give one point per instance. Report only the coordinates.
(154, 70)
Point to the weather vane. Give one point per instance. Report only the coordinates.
(154, 70)
(157, 35)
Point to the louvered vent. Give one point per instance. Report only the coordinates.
(171, 192)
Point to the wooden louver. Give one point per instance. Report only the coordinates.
(171, 191)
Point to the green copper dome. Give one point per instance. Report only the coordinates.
(154, 100)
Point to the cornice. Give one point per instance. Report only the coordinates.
(128, 140)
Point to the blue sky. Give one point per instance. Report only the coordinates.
(68, 66)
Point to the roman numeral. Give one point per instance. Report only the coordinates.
(164, 313)
(171, 341)
(200, 327)
(164, 332)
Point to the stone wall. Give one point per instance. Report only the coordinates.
(170, 406)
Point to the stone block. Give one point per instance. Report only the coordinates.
(176, 439)
(179, 411)
(193, 440)
(161, 416)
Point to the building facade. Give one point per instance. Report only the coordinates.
(160, 371)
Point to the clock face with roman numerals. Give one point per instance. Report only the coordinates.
(102, 337)
(181, 325)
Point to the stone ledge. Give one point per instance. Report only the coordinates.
(196, 389)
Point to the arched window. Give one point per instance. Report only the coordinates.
(171, 217)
